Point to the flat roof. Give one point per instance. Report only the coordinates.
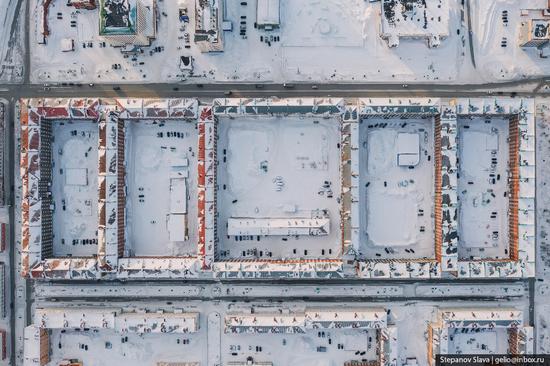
(117, 17)
(541, 29)
(414, 18)
(268, 12)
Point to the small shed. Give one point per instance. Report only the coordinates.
(408, 149)
(67, 45)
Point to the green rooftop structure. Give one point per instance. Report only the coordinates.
(125, 22)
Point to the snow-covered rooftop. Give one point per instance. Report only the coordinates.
(197, 151)
(415, 18)
(268, 13)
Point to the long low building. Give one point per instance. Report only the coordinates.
(116, 319)
(310, 319)
(52, 323)
(278, 226)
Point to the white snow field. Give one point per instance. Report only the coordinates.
(74, 188)
(279, 168)
(495, 62)
(316, 347)
(483, 187)
(108, 347)
(478, 341)
(320, 41)
(396, 188)
(161, 199)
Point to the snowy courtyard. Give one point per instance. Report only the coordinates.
(108, 347)
(478, 341)
(74, 150)
(396, 168)
(161, 187)
(316, 347)
(279, 188)
(232, 333)
(483, 187)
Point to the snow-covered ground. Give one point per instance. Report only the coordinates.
(396, 214)
(315, 347)
(12, 24)
(478, 341)
(108, 347)
(278, 167)
(75, 188)
(157, 151)
(495, 62)
(483, 187)
(319, 41)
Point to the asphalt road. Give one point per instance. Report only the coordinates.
(528, 87)
(470, 33)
